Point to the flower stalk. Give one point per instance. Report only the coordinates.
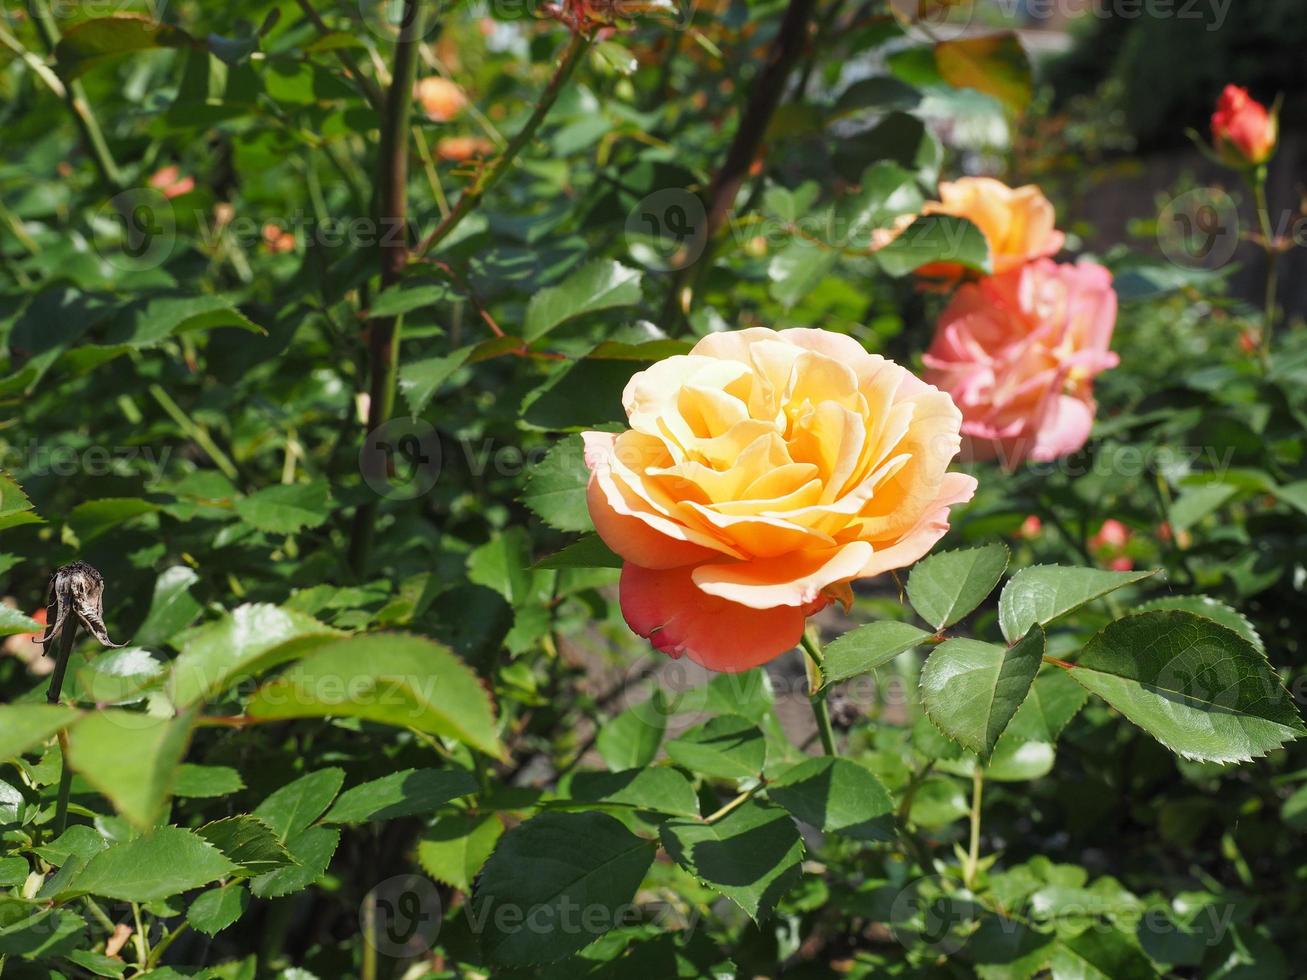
(817, 697)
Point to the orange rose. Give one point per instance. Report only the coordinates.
(1243, 130)
(440, 98)
(170, 182)
(763, 472)
(1017, 223)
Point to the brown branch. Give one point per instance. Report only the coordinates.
(764, 98)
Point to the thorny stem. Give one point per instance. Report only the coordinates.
(62, 654)
(75, 96)
(820, 710)
(384, 332)
(491, 175)
(365, 84)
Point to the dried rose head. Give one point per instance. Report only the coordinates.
(77, 588)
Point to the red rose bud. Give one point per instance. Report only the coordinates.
(1243, 131)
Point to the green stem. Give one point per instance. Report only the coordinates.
(1258, 179)
(365, 85)
(392, 216)
(491, 175)
(75, 96)
(140, 940)
(732, 806)
(972, 866)
(161, 947)
(820, 710)
(195, 431)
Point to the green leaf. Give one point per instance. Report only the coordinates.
(149, 321)
(25, 726)
(971, 690)
(556, 883)
(297, 804)
(1101, 954)
(51, 932)
(995, 64)
(401, 794)
(97, 963)
(935, 238)
(752, 855)
(587, 552)
(1213, 609)
(206, 782)
(420, 380)
(555, 487)
(14, 623)
(216, 909)
(172, 608)
(395, 679)
(131, 758)
(286, 508)
(243, 643)
(836, 795)
(868, 647)
(1043, 593)
(599, 285)
(118, 677)
(1200, 689)
(632, 739)
(1195, 503)
(456, 846)
(165, 862)
(1054, 699)
(94, 41)
(728, 747)
(13, 871)
(409, 295)
(584, 394)
(249, 842)
(312, 848)
(797, 268)
(93, 518)
(659, 788)
(946, 586)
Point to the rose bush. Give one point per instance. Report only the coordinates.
(389, 412)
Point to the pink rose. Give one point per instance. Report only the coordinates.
(1018, 353)
(1243, 130)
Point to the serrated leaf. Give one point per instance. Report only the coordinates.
(312, 848)
(297, 804)
(47, 933)
(172, 607)
(1042, 593)
(658, 788)
(395, 679)
(945, 587)
(587, 552)
(216, 909)
(131, 758)
(205, 782)
(752, 855)
(1200, 689)
(556, 487)
(401, 794)
(838, 796)
(599, 285)
(249, 842)
(727, 747)
(165, 862)
(15, 623)
(1054, 699)
(868, 647)
(420, 380)
(93, 41)
(542, 872)
(245, 642)
(1213, 609)
(971, 690)
(456, 846)
(286, 508)
(93, 518)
